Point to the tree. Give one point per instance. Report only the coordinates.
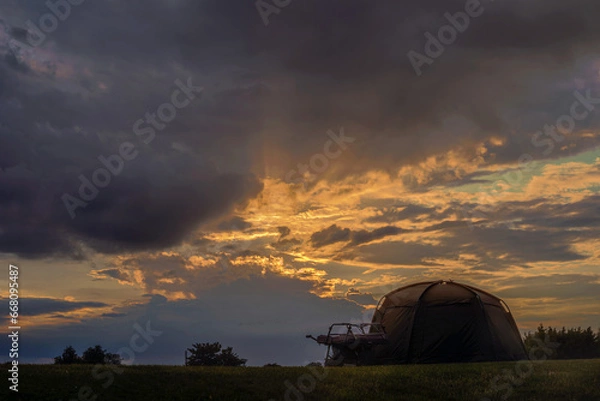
(69, 356)
(574, 343)
(212, 354)
(95, 355)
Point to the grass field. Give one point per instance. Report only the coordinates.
(548, 380)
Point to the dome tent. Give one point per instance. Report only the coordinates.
(444, 321)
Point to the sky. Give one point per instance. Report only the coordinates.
(251, 172)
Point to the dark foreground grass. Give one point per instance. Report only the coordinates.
(548, 380)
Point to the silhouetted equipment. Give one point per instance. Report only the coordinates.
(429, 322)
(353, 345)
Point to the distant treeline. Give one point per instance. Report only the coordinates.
(92, 355)
(573, 343)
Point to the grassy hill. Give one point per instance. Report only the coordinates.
(547, 380)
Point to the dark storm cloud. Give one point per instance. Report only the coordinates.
(283, 231)
(235, 223)
(284, 242)
(475, 78)
(541, 231)
(571, 221)
(394, 214)
(445, 225)
(391, 213)
(583, 214)
(42, 306)
(554, 26)
(364, 236)
(132, 213)
(110, 273)
(160, 197)
(539, 235)
(563, 286)
(159, 214)
(113, 314)
(399, 253)
(333, 234)
(76, 96)
(330, 235)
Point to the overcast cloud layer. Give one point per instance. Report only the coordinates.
(311, 170)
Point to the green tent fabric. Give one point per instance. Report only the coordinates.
(444, 321)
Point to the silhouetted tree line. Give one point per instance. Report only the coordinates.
(573, 343)
(92, 355)
(212, 354)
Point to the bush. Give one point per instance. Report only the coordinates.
(212, 354)
(68, 357)
(92, 355)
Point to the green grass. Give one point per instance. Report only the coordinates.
(549, 380)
